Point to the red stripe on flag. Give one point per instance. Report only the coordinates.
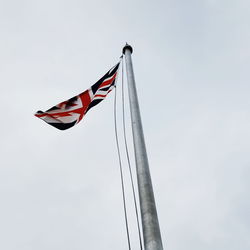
(108, 82)
(100, 96)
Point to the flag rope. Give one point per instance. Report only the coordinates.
(128, 158)
(128, 161)
(121, 172)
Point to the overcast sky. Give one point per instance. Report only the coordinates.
(61, 189)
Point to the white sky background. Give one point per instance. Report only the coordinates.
(61, 190)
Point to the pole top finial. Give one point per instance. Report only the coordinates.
(127, 46)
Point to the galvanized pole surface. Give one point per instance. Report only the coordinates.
(150, 224)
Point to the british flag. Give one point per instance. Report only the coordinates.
(68, 113)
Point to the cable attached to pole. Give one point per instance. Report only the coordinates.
(128, 158)
(121, 174)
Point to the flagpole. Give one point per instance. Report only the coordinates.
(150, 224)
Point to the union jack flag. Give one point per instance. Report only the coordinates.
(68, 113)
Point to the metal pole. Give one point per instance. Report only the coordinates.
(150, 224)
